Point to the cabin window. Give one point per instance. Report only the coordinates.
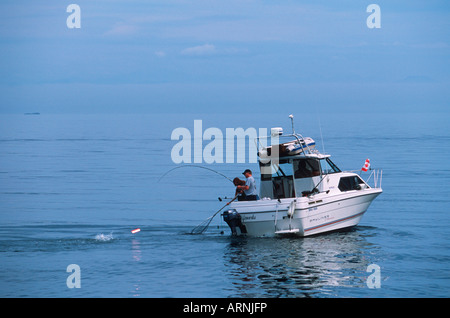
(329, 167)
(350, 183)
(306, 168)
(282, 180)
(282, 169)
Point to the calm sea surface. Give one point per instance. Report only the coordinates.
(72, 187)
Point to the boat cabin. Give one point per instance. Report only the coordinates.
(295, 176)
(300, 169)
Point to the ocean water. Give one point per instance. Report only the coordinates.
(72, 187)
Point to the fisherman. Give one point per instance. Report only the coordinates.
(239, 192)
(250, 187)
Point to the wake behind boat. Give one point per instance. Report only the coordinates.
(302, 192)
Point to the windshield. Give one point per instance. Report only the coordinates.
(329, 167)
(306, 168)
(283, 169)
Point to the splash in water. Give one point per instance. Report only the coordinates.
(104, 237)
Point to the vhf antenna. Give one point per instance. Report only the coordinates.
(292, 122)
(295, 135)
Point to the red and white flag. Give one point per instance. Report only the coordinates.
(366, 165)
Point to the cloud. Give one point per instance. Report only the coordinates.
(200, 50)
(210, 49)
(160, 53)
(122, 29)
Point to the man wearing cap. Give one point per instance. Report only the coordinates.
(250, 186)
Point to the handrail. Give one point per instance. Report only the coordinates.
(300, 140)
(377, 177)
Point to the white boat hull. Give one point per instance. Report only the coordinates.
(316, 214)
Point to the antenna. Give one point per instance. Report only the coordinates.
(302, 142)
(292, 122)
(321, 136)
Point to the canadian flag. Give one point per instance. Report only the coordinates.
(366, 165)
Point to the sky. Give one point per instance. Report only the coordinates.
(219, 56)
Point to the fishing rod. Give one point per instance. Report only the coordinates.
(194, 166)
(199, 229)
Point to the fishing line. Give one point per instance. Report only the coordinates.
(194, 166)
(199, 229)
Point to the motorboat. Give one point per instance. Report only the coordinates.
(302, 192)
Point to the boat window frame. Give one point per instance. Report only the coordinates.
(307, 161)
(283, 178)
(350, 183)
(276, 173)
(288, 162)
(332, 165)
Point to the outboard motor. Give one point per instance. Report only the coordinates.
(233, 219)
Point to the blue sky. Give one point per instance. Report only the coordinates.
(215, 56)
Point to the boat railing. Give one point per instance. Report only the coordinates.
(278, 133)
(299, 138)
(377, 175)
